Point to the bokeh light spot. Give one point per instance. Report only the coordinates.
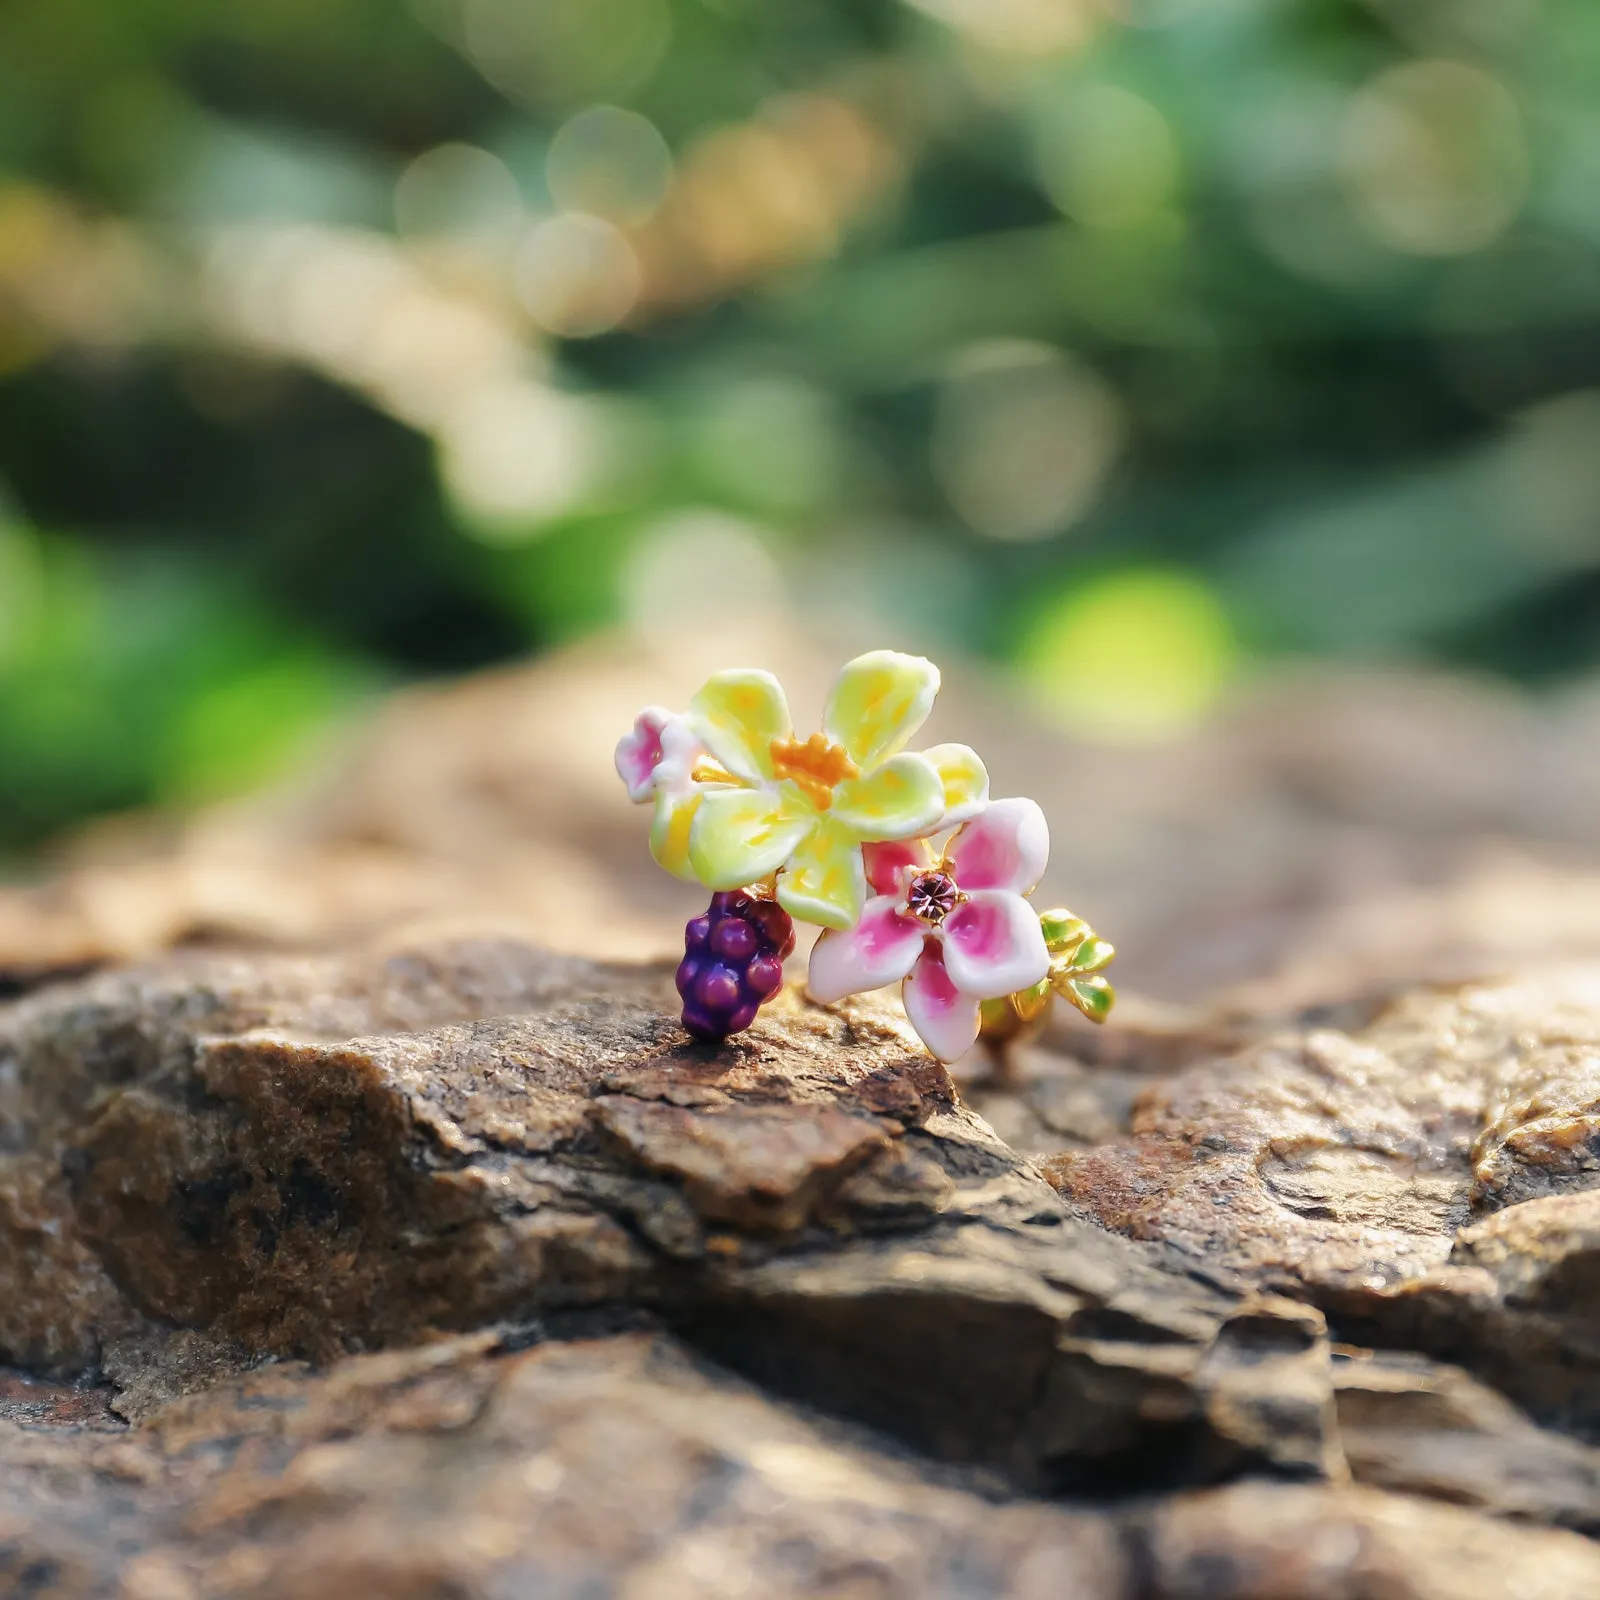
(1284, 144)
(1433, 157)
(538, 51)
(515, 454)
(1023, 438)
(610, 163)
(1106, 157)
(770, 443)
(699, 567)
(457, 190)
(577, 275)
(1018, 27)
(1130, 657)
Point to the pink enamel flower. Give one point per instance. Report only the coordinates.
(657, 761)
(958, 930)
(657, 753)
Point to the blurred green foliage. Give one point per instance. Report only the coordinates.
(1128, 342)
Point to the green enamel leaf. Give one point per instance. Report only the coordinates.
(1093, 955)
(1061, 929)
(1093, 996)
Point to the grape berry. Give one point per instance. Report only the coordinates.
(732, 962)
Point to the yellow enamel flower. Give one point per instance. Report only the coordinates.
(766, 802)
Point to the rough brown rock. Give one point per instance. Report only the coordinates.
(607, 1466)
(624, 1466)
(1266, 1542)
(439, 1153)
(1428, 1179)
(303, 1157)
(1415, 1425)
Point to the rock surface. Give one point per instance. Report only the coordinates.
(624, 1466)
(345, 1256)
(1430, 1179)
(357, 1273)
(299, 1158)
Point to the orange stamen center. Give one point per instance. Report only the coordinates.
(816, 764)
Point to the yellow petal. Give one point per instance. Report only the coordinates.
(669, 830)
(898, 800)
(965, 779)
(737, 716)
(825, 882)
(740, 835)
(879, 700)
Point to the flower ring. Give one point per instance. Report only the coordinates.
(783, 828)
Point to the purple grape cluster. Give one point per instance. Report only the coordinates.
(732, 962)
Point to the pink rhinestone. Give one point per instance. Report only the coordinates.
(932, 896)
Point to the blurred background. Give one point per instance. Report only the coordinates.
(1135, 347)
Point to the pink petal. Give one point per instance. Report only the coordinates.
(946, 1019)
(879, 949)
(639, 752)
(886, 861)
(680, 751)
(993, 945)
(1005, 848)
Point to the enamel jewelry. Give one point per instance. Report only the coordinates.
(913, 873)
